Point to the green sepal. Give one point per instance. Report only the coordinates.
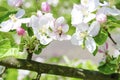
(96, 50)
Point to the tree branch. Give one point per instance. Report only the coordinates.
(11, 62)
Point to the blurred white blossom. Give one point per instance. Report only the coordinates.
(14, 22)
(15, 3)
(84, 11)
(53, 2)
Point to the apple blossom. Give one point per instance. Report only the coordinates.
(59, 28)
(41, 26)
(84, 35)
(15, 3)
(81, 14)
(45, 7)
(84, 11)
(14, 22)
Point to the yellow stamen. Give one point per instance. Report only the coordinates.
(83, 34)
(59, 30)
(13, 18)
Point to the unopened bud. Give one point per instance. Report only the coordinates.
(101, 18)
(20, 31)
(15, 3)
(45, 7)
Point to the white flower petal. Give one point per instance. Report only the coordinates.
(59, 21)
(34, 22)
(77, 15)
(64, 37)
(90, 44)
(45, 19)
(82, 27)
(39, 13)
(102, 10)
(10, 2)
(93, 5)
(49, 16)
(109, 11)
(113, 11)
(53, 2)
(65, 28)
(44, 40)
(89, 17)
(24, 20)
(94, 29)
(116, 53)
(76, 39)
(6, 26)
(16, 25)
(20, 13)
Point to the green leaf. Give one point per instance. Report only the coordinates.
(117, 3)
(108, 68)
(6, 49)
(38, 51)
(3, 11)
(8, 35)
(4, 46)
(112, 23)
(11, 74)
(30, 32)
(71, 30)
(101, 37)
(11, 52)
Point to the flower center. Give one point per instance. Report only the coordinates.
(85, 2)
(13, 18)
(84, 12)
(59, 30)
(43, 30)
(83, 34)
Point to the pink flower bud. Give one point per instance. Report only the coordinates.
(15, 3)
(101, 18)
(20, 31)
(45, 7)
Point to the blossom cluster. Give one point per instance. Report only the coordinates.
(87, 17)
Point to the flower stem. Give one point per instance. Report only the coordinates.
(109, 35)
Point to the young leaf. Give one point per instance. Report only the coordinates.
(4, 46)
(101, 37)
